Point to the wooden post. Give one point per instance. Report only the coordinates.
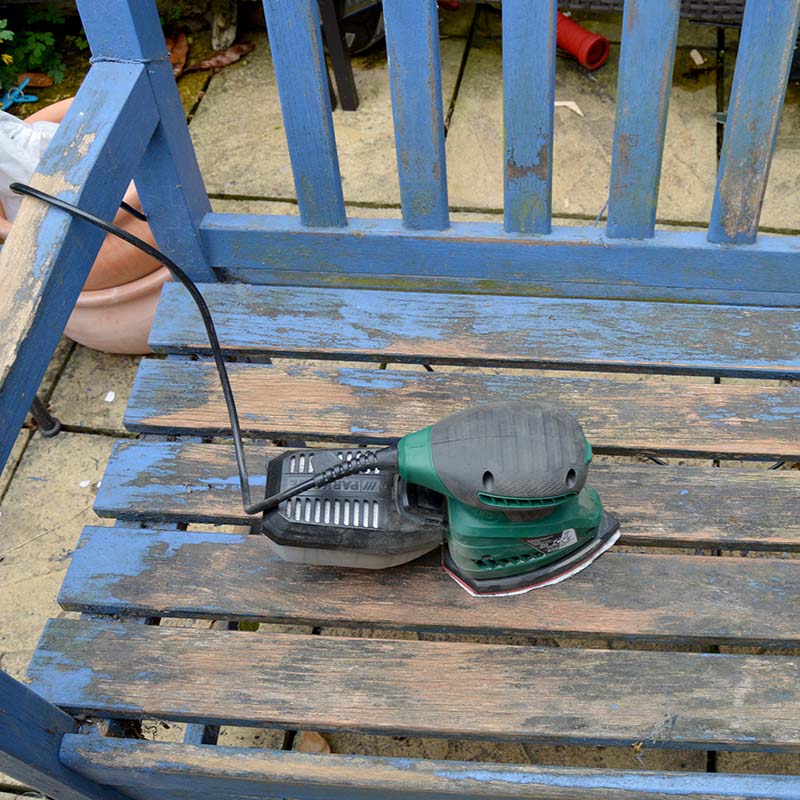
(31, 730)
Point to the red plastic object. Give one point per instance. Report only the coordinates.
(591, 49)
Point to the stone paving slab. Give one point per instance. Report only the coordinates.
(93, 390)
(7, 473)
(41, 516)
(582, 145)
(241, 147)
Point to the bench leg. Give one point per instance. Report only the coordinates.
(340, 58)
(47, 424)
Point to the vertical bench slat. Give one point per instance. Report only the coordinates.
(769, 33)
(412, 45)
(295, 41)
(529, 74)
(649, 36)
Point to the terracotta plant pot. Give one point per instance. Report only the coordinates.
(115, 310)
(118, 320)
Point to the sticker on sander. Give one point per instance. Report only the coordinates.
(558, 541)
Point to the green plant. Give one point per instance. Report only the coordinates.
(5, 36)
(34, 47)
(172, 12)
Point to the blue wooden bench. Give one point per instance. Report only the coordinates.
(306, 307)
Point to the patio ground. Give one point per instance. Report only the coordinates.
(48, 486)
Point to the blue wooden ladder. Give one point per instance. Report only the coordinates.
(518, 297)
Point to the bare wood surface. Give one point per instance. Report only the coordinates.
(558, 695)
(439, 328)
(674, 506)
(370, 405)
(142, 768)
(668, 598)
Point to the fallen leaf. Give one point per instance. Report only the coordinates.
(36, 80)
(222, 58)
(178, 49)
(310, 742)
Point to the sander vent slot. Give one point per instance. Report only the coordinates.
(303, 463)
(323, 511)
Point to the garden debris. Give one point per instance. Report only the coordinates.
(36, 80)
(571, 105)
(222, 58)
(310, 742)
(178, 49)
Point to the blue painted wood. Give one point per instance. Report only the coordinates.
(529, 75)
(731, 341)
(690, 599)
(397, 687)
(683, 506)
(170, 184)
(123, 30)
(296, 45)
(168, 179)
(649, 35)
(412, 46)
(142, 767)
(766, 45)
(47, 256)
(572, 262)
(363, 405)
(31, 730)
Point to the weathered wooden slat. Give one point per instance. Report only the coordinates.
(47, 256)
(398, 687)
(649, 35)
(529, 49)
(372, 405)
(412, 47)
(295, 42)
(667, 598)
(662, 506)
(571, 262)
(168, 179)
(141, 768)
(727, 341)
(31, 731)
(763, 60)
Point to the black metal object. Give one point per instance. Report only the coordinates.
(720, 12)
(340, 58)
(47, 424)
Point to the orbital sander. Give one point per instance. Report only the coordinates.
(501, 488)
(502, 485)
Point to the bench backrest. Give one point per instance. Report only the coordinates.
(127, 122)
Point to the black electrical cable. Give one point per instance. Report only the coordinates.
(134, 212)
(358, 464)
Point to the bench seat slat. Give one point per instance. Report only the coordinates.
(500, 331)
(397, 687)
(370, 405)
(142, 768)
(675, 506)
(669, 598)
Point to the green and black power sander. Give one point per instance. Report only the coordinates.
(502, 485)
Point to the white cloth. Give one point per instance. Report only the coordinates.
(21, 146)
